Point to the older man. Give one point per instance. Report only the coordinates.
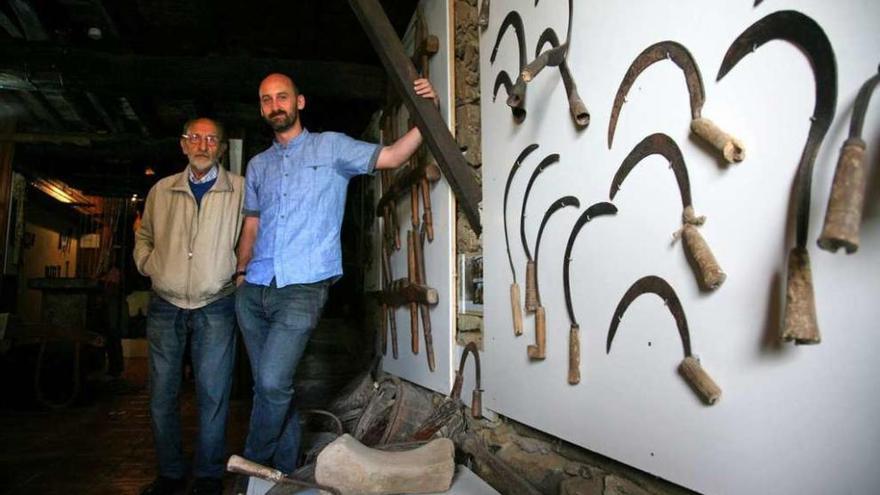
(186, 245)
(290, 252)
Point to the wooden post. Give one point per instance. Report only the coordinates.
(434, 130)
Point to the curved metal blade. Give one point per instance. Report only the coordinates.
(522, 156)
(655, 53)
(502, 79)
(654, 285)
(548, 36)
(803, 32)
(556, 206)
(861, 106)
(659, 144)
(546, 162)
(512, 19)
(596, 210)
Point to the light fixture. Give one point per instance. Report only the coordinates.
(149, 171)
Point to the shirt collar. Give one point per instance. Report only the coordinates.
(292, 143)
(211, 175)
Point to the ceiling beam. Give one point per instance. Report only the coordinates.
(54, 68)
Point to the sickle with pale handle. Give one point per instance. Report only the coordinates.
(531, 294)
(514, 287)
(799, 323)
(574, 340)
(730, 147)
(690, 368)
(709, 274)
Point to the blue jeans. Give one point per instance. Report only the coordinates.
(212, 332)
(276, 324)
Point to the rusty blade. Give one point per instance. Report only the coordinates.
(592, 212)
(663, 50)
(804, 33)
(659, 144)
(556, 206)
(546, 162)
(549, 37)
(654, 285)
(502, 79)
(512, 19)
(861, 106)
(516, 164)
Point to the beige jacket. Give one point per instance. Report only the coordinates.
(189, 252)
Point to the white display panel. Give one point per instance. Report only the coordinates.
(791, 419)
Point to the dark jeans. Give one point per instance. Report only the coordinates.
(212, 332)
(276, 324)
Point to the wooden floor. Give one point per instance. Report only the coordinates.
(102, 447)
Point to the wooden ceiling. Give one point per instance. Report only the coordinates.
(99, 89)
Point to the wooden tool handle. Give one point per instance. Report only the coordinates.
(393, 324)
(800, 323)
(538, 351)
(574, 355)
(699, 380)
(414, 206)
(709, 274)
(844, 214)
(240, 465)
(731, 148)
(531, 287)
(383, 329)
(516, 308)
(428, 214)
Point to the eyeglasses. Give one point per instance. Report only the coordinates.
(210, 139)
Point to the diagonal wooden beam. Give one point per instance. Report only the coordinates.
(401, 73)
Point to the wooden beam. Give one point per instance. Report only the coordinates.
(47, 67)
(401, 72)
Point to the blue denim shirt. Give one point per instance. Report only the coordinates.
(298, 192)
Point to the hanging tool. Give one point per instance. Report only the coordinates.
(514, 287)
(531, 296)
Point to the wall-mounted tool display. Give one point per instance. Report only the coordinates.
(531, 295)
(844, 213)
(539, 350)
(800, 323)
(574, 340)
(708, 272)
(689, 367)
(516, 93)
(424, 310)
(730, 147)
(514, 287)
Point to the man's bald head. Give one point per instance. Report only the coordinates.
(277, 81)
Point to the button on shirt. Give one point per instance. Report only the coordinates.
(298, 192)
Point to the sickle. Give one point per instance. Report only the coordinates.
(503, 79)
(654, 53)
(654, 285)
(576, 105)
(516, 312)
(546, 162)
(596, 210)
(709, 274)
(689, 367)
(512, 19)
(659, 144)
(531, 294)
(574, 339)
(553, 57)
(522, 156)
(803, 32)
(556, 206)
(843, 216)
